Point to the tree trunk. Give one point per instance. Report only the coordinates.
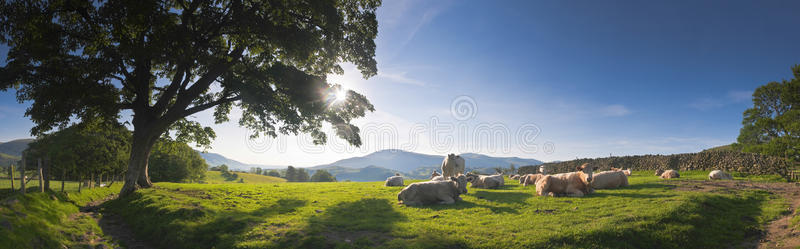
(136, 177)
(41, 178)
(63, 178)
(46, 171)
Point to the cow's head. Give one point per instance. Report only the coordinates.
(587, 171)
(470, 177)
(461, 183)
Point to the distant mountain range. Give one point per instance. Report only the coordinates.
(214, 159)
(11, 151)
(405, 161)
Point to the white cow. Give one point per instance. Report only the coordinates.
(452, 165)
(434, 192)
(573, 184)
(395, 180)
(719, 175)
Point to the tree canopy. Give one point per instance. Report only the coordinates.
(166, 60)
(90, 147)
(322, 176)
(772, 126)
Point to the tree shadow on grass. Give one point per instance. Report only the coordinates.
(504, 197)
(361, 223)
(710, 221)
(191, 226)
(463, 204)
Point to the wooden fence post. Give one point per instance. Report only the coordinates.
(41, 179)
(63, 178)
(46, 173)
(22, 174)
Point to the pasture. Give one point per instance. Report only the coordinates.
(651, 213)
(215, 177)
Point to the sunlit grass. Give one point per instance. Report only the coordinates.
(350, 214)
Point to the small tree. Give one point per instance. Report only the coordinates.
(274, 173)
(322, 176)
(772, 126)
(291, 174)
(302, 175)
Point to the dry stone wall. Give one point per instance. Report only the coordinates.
(730, 161)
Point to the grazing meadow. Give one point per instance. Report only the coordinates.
(650, 212)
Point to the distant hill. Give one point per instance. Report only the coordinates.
(405, 161)
(215, 177)
(214, 159)
(366, 174)
(15, 147)
(6, 160)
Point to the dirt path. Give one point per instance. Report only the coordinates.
(777, 234)
(112, 226)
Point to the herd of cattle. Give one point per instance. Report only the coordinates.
(446, 188)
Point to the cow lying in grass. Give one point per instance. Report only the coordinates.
(627, 172)
(659, 172)
(719, 175)
(668, 174)
(573, 184)
(530, 179)
(395, 180)
(514, 177)
(482, 181)
(434, 192)
(609, 179)
(435, 174)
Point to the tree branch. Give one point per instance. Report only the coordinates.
(199, 108)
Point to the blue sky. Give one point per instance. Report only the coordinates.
(592, 78)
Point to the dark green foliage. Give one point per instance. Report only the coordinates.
(219, 168)
(274, 173)
(291, 174)
(772, 126)
(173, 161)
(91, 147)
(167, 60)
(302, 175)
(322, 176)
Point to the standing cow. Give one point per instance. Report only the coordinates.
(434, 192)
(573, 184)
(452, 166)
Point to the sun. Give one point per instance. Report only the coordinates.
(341, 95)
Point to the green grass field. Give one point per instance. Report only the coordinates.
(215, 177)
(50, 220)
(649, 213)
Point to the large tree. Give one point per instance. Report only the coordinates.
(772, 126)
(166, 60)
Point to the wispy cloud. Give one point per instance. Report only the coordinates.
(710, 103)
(615, 111)
(400, 77)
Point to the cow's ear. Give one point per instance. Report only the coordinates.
(579, 168)
(595, 168)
